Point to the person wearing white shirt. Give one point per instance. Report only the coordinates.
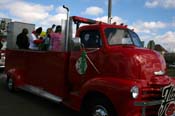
(34, 39)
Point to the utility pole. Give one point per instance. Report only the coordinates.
(109, 11)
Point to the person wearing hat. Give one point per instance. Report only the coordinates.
(35, 41)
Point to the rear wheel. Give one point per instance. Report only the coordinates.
(99, 107)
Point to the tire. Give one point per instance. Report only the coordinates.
(98, 107)
(10, 84)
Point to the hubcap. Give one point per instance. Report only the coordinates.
(100, 111)
(10, 83)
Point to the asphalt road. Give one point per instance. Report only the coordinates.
(25, 104)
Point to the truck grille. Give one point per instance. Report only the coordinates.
(152, 93)
(152, 110)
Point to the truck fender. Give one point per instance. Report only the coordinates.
(16, 76)
(108, 87)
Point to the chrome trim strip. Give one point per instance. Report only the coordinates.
(150, 103)
(159, 73)
(41, 92)
(2, 66)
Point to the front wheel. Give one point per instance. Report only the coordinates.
(99, 107)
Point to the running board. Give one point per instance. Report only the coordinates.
(41, 92)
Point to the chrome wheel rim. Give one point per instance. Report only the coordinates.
(10, 83)
(100, 111)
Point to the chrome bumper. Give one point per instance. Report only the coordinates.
(145, 104)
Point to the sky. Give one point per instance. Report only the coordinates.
(151, 19)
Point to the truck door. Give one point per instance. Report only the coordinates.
(85, 64)
(46, 70)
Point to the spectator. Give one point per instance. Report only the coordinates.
(46, 42)
(55, 39)
(35, 40)
(22, 39)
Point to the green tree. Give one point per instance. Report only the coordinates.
(151, 44)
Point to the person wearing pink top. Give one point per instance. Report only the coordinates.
(55, 39)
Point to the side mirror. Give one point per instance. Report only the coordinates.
(76, 44)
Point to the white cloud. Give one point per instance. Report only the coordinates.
(150, 31)
(167, 40)
(154, 25)
(54, 19)
(151, 3)
(60, 9)
(5, 1)
(28, 11)
(40, 15)
(160, 3)
(168, 36)
(93, 10)
(116, 19)
(148, 27)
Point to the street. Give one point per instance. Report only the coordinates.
(25, 104)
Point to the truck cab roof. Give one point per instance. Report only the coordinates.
(95, 24)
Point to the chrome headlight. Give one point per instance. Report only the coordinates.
(134, 92)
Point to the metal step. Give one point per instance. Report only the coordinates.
(41, 92)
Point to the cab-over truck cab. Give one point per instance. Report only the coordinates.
(104, 71)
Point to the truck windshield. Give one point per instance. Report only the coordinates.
(122, 37)
(135, 39)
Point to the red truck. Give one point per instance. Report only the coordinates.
(104, 71)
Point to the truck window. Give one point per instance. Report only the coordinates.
(91, 39)
(122, 36)
(136, 39)
(118, 36)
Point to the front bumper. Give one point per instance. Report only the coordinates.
(146, 104)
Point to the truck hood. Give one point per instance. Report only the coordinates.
(139, 63)
(152, 66)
